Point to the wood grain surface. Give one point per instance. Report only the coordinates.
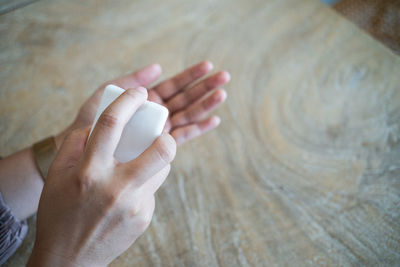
(304, 169)
(10, 5)
(381, 18)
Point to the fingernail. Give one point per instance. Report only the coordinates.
(210, 66)
(205, 67)
(156, 68)
(216, 120)
(223, 95)
(226, 76)
(142, 89)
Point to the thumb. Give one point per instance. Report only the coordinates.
(72, 148)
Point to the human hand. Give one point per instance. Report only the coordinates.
(188, 100)
(92, 207)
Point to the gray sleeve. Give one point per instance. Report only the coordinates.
(12, 232)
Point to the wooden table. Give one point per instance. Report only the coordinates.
(304, 170)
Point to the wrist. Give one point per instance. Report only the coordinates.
(44, 258)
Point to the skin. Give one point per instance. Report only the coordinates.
(189, 100)
(92, 207)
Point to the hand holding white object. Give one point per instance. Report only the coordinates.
(93, 207)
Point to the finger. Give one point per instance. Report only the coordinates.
(167, 127)
(170, 87)
(186, 133)
(143, 77)
(155, 97)
(198, 110)
(148, 188)
(151, 161)
(107, 132)
(191, 95)
(72, 148)
(143, 218)
(153, 184)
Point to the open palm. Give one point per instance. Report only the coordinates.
(188, 99)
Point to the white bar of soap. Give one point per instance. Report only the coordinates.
(142, 129)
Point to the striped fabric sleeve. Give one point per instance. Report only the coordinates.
(12, 232)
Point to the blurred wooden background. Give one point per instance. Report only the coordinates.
(303, 171)
(380, 18)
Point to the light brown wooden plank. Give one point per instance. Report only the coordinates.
(303, 171)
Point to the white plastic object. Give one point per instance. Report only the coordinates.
(142, 129)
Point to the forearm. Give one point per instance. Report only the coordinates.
(21, 183)
(43, 259)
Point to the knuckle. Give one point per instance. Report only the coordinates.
(84, 180)
(135, 94)
(108, 120)
(111, 197)
(135, 209)
(143, 223)
(166, 148)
